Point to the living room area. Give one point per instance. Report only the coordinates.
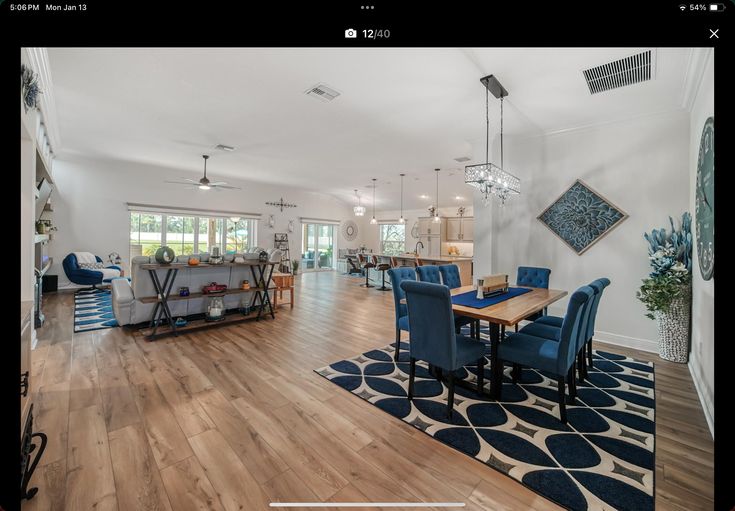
(253, 276)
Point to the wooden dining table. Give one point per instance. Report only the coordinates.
(503, 314)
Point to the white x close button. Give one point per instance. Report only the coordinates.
(713, 33)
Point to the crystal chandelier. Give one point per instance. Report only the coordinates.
(487, 177)
(359, 209)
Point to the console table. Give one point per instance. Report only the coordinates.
(261, 303)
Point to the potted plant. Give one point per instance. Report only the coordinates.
(667, 292)
(295, 266)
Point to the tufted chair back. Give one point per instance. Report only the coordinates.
(450, 275)
(429, 273)
(533, 277)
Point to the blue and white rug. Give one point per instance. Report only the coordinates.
(93, 310)
(603, 458)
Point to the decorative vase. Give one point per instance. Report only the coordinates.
(673, 328)
(165, 255)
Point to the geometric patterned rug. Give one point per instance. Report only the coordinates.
(93, 310)
(602, 459)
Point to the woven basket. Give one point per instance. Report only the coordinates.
(673, 328)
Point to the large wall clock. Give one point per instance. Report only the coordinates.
(705, 200)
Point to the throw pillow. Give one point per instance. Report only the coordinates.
(91, 266)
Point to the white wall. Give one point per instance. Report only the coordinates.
(91, 214)
(640, 165)
(702, 357)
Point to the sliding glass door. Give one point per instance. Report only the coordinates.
(317, 251)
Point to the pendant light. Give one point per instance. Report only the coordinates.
(487, 177)
(359, 209)
(373, 221)
(437, 218)
(402, 220)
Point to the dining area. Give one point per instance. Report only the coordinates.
(444, 318)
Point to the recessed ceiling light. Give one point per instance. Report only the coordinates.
(223, 147)
(423, 196)
(459, 198)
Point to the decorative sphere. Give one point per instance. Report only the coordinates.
(165, 255)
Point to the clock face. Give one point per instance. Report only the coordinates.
(705, 200)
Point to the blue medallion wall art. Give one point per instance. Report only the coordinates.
(581, 216)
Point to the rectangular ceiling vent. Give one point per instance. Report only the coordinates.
(620, 73)
(323, 92)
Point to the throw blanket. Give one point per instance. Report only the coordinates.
(108, 273)
(85, 258)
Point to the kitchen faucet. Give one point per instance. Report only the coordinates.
(416, 249)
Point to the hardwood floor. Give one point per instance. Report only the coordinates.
(233, 418)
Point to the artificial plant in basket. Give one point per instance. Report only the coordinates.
(667, 291)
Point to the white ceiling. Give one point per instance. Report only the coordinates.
(400, 110)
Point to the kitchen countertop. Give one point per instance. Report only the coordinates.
(444, 259)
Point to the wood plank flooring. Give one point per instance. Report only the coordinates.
(234, 418)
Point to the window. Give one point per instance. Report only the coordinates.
(188, 234)
(393, 239)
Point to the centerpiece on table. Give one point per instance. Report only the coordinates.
(667, 292)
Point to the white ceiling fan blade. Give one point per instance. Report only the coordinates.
(225, 186)
(217, 183)
(190, 180)
(194, 183)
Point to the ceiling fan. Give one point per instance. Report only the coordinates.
(204, 183)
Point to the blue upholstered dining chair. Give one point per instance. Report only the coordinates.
(433, 339)
(451, 278)
(429, 273)
(531, 276)
(599, 286)
(398, 275)
(551, 355)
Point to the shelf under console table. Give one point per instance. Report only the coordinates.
(261, 303)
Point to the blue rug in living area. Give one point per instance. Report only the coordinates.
(602, 459)
(93, 310)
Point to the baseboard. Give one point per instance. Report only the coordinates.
(628, 342)
(704, 400)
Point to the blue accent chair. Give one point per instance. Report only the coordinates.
(451, 279)
(599, 286)
(83, 276)
(429, 273)
(531, 276)
(556, 357)
(398, 275)
(433, 339)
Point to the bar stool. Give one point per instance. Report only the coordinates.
(366, 265)
(381, 267)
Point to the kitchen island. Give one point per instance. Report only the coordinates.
(409, 259)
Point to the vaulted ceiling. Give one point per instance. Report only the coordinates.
(400, 109)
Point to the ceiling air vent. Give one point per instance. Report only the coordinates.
(462, 159)
(619, 73)
(323, 92)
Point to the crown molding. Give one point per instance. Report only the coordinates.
(38, 60)
(698, 59)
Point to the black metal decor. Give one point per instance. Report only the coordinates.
(281, 204)
(27, 467)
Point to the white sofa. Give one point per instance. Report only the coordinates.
(126, 296)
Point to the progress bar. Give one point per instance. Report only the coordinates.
(367, 504)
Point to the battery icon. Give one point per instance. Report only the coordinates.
(716, 7)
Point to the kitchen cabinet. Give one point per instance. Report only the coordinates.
(432, 246)
(460, 228)
(427, 227)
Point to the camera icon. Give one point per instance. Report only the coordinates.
(350, 33)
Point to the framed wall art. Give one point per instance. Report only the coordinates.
(581, 217)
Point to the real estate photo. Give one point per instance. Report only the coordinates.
(465, 277)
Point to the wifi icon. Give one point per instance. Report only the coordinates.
(682, 7)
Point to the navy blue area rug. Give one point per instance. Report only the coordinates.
(602, 459)
(93, 310)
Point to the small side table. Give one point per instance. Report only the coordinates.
(283, 282)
